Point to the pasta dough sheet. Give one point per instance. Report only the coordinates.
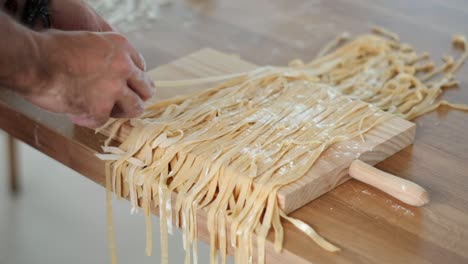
(229, 149)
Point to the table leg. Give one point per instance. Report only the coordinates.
(13, 168)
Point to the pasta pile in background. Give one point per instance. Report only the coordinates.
(227, 150)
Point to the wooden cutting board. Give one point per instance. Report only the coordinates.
(330, 170)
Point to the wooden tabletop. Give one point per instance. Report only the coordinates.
(369, 226)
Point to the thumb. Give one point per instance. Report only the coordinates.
(85, 121)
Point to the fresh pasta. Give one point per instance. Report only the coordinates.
(227, 150)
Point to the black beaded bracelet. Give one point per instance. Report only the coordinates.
(11, 6)
(34, 10)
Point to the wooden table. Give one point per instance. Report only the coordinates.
(370, 226)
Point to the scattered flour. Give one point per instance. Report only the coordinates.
(401, 209)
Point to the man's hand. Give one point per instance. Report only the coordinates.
(91, 76)
(72, 15)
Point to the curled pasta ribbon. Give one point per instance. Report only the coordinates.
(310, 232)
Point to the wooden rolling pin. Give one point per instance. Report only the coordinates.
(403, 190)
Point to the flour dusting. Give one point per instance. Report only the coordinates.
(401, 209)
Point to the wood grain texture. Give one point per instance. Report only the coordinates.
(368, 225)
(330, 170)
(13, 165)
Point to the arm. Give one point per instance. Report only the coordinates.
(90, 76)
(19, 55)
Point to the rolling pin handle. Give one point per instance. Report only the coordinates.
(403, 190)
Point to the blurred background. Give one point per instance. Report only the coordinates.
(51, 221)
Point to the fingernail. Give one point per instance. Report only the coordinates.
(152, 85)
(142, 61)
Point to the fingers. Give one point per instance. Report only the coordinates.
(97, 116)
(138, 81)
(128, 106)
(105, 27)
(136, 57)
(127, 47)
(123, 102)
(120, 92)
(141, 84)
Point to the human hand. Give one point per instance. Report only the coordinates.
(90, 76)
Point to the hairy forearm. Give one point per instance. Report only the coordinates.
(19, 56)
(75, 68)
